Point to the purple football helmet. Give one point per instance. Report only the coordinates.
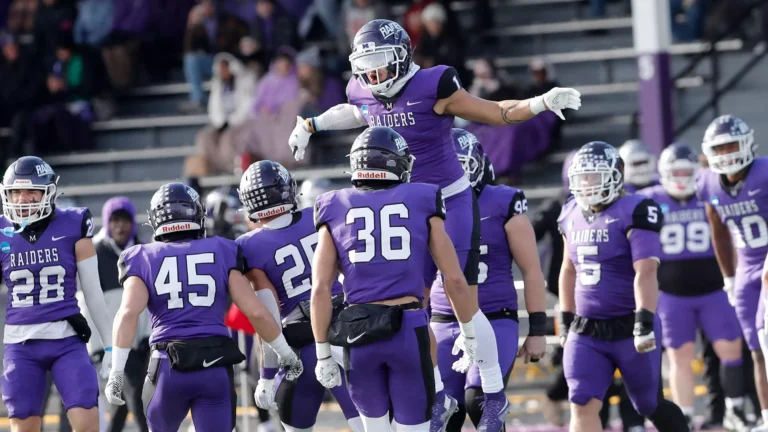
(380, 153)
(678, 165)
(471, 155)
(381, 45)
(224, 217)
(175, 208)
(267, 189)
(29, 173)
(596, 175)
(725, 130)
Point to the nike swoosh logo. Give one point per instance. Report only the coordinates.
(482, 219)
(207, 364)
(409, 103)
(352, 340)
(754, 192)
(610, 221)
(57, 238)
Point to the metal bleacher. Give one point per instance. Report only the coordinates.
(145, 145)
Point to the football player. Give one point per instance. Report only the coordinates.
(502, 210)
(389, 90)
(311, 188)
(691, 288)
(183, 279)
(45, 252)
(376, 232)
(278, 259)
(608, 287)
(736, 201)
(639, 166)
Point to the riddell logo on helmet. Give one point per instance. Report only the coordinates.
(274, 211)
(370, 175)
(177, 227)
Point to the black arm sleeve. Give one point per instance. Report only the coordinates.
(241, 264)
(518, 205)
(440, 205)
(86, 229)
(449, 83)
(647, 215)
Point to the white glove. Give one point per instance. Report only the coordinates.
(265, 394)
(293, 365)
(556, 100)
(106, 364)
(299, 138)
(114, 389)
(328, 373)
(646, 343)
(469, 346)
(729, 283)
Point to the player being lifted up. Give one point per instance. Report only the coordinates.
(503, 211)
(735, 193)
(376, 232)
(278, 261)
(608, 287)
(691, 286)
(183, 279)
(44, 253)
(389, 90)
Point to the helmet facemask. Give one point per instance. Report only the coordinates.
(473, 168)
(733, 162)
(25, 214)
(389, 58)
(679, 178)
(594, 183)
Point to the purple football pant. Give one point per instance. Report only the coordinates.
(462, 224)
(749, 304)
(24, 374)
(681, 316)
(209, 393)
(455, 383)
(299, 401)
(396, 371)
(590, 364)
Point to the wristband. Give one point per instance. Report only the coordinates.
(323, 350)
(108, 349)
(309, 125)
(537, 324)
(468, 328)
(537, 105)
(645, 317)
(268, 373)
(566, 319)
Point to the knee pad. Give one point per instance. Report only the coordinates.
(473, 398)
(667, 417)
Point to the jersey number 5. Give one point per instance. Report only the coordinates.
(24, 283)
(589, 273)
(168, 283)
(388, 233)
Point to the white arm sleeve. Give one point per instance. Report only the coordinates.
(266, 297)
(88, 273)
(340, 117)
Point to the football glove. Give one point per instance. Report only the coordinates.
(293, 365)
(729, 287)
(469, 346)
(106, 363)
(556, 100)
(265, 394)
(114, 389)
(645, 338)
(299, 138)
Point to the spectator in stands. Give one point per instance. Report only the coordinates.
(52, 19)
(63, 124)
(208, 31)
(21, 16)
(488, 84)
(229, 107)
(542, 79)
(412, 20)
(94, 22)
(119, 233)
(272, 28)
(319, 90)
(439, 46)
(687, 19)
(356, 13)
(23, 88)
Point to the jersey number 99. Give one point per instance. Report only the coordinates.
(388, 233)
(676, 238)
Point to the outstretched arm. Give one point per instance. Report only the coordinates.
(340, 117)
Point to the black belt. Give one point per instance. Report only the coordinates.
(504, 313)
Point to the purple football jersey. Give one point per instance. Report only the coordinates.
(285, 255)
(188, 283)
(428, 135)
(381, 237)
(743, 209)
(496, 289)
(603, 247)
(40, 266)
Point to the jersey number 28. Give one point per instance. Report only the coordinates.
(168, 283)
(24, 283)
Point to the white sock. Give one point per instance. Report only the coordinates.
(731, 403)
(487, 355)
(424, 427)
(438, 380)
(356, 424)
(764, 413)
(687, 411)
(378, 424)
